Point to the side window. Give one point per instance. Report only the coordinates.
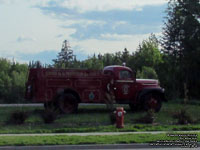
(124, 74)
(108, 73)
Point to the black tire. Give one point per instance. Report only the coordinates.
(152, 101)
(67, 103)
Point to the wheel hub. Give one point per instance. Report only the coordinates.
(153, 103)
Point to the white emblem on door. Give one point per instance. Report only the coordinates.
(125, 89)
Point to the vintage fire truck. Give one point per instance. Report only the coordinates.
(64, 89)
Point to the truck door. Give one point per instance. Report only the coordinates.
(124, 86)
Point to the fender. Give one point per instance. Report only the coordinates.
(159, 91)
(74, 92)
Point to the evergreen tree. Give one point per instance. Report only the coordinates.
(108, 59)
(65, 57)
(125, 56)
(117, 58)
(180, 41)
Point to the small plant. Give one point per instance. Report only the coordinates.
(183, 117)
(148, 118)
(18, 117)
(49, 116)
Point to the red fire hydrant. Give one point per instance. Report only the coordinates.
(119, 117)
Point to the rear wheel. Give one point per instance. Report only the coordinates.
(67, 103)
(152, 101)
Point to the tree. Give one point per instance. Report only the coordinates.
(65, 57)
(93, 63)
(108, 59)
(180, 42)
(147, 54)
(117, 58)
(147, 73)
(125, 56)
(36, 64)
(13, 77)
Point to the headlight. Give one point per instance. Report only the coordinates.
(29, 89)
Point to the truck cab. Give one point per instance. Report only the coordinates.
(145, 93)
(124, 82)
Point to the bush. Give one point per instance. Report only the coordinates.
(147, 73)
(148, 118)
(49, 116)
(18, 117)
(183, 117)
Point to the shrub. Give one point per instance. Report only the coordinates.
(148, 118)
(18, 117)
(183, 117)
(49, 116)
(147, 73)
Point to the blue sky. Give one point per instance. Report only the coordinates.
(35, 29)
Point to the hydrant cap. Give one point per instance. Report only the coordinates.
(120, 108)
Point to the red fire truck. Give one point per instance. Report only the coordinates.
(66, 88)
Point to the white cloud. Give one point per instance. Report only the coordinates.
(7, 2)
(23, 38)
(84, 22)
(47, 32)
(92, 46)
(37, 31)
(121, 36)
(102, 5)
(105, 5)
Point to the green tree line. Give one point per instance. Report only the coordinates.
(12, 81)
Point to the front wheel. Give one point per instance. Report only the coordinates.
(152, 101)
(67, 103)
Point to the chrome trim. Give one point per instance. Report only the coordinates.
(149, 84)
(147, 80)
(125, 81)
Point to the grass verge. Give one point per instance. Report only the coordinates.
(76, 140)
(97, 119)
(109, 128)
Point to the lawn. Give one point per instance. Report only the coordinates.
(104, 139)
(97, 119)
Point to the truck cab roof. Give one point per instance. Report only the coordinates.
(116, 67)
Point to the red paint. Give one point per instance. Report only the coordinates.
(119, 113)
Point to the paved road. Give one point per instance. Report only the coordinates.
(94, 147)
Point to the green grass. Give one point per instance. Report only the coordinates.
(97, 119)
(69, 140)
